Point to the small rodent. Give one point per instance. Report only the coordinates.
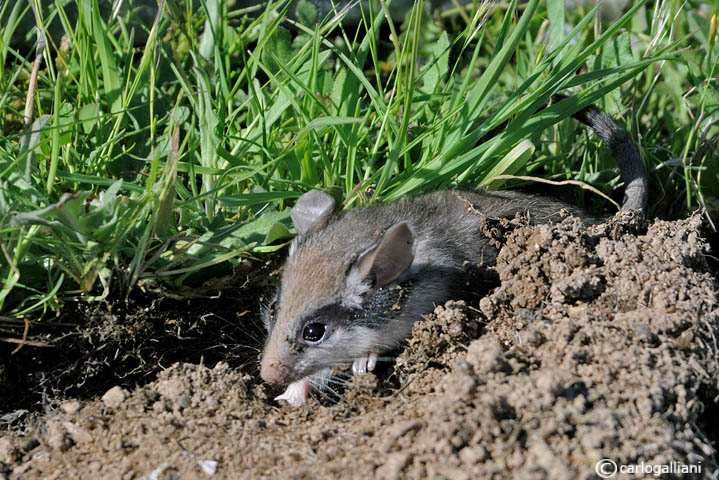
(335, 306)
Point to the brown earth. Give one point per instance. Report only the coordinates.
(599, 343)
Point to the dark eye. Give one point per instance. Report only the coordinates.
(314, 332)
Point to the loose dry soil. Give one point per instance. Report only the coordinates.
(595, 343)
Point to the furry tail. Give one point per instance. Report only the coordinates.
(625, 152)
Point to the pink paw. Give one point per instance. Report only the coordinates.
(364, 364)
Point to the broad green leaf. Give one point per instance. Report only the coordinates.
(438, 66)
(306, 12)
(276, 232)
(555, 13)
(88, 116)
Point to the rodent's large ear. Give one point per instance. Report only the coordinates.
(312, 212)
(391, 258)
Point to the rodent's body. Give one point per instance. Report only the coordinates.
(446, 229)
(355, 283)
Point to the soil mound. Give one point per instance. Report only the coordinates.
(599, 343)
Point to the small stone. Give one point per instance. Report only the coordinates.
(78, 434)
(472, 455)
(114, 397)
(71, 406)
(208, 466)
(684, 341)
(221, 366)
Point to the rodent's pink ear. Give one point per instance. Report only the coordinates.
(312, 212)
(391, 258)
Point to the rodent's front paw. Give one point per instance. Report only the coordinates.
(364, 364)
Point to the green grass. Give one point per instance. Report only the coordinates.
(165, 153)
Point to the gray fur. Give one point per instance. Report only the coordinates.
(392, 257)
(367, 275)
(626, 154)
(312, 212)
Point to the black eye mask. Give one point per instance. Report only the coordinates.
(320, 324)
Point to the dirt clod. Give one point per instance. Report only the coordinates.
(71, 406)
(598, 343)
(114, 397)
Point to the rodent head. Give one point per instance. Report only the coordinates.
(331, 296)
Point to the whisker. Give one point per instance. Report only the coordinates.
(329, 394)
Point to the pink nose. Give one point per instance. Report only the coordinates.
(273, 371)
